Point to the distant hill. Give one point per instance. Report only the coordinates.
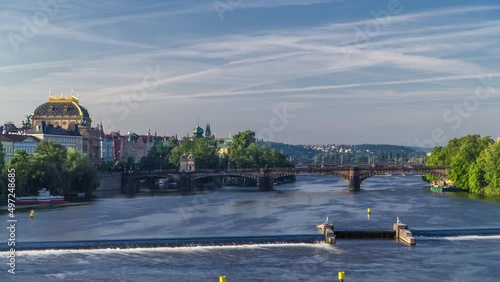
(349, 153)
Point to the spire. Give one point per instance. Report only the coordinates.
(208, 132)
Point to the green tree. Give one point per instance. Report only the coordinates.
(21, 162)
(82, 174)
(204, 150)
(489, 164)
(47, 168)
(245, 153)
(468, 151)
(476, 178)
(55, 168)
(242, 140)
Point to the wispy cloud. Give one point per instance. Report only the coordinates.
(105, 55)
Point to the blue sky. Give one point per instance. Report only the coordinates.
(295, 71)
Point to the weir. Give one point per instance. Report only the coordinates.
(239, 240)
(400, 232)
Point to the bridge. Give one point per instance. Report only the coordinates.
(352, 175)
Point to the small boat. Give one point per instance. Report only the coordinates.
(442, 187)
(43, 197)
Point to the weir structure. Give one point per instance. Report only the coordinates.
(265, 177)
(400, 232)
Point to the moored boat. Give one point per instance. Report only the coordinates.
(43, 197)
(443, 187)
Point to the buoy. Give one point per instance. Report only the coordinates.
(32, 214)
(222, 279)
(369, 211)
(341, 276)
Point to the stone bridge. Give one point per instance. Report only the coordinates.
(352, 175)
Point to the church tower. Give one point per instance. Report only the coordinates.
(208, 132)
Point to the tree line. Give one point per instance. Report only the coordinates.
(53, 167)
(474, 163)
(244, 152)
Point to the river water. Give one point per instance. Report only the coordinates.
(471, 255)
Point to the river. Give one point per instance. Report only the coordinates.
(290, 209)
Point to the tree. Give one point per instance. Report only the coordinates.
(55, 168)
(21, 163)
(488, 163)
(82, 174)
(245, 153)
(476, 178)
(243, 139)
(468, 151)
(204, 150)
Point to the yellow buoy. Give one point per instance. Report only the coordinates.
(32, 214)
(222, 279)
(341, 275)
(369, 211)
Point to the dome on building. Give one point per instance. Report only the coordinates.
(198, 131)
(62, 106)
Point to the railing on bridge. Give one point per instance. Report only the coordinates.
(298, 169)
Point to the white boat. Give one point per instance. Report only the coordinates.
(43, 197)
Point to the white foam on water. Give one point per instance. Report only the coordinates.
(460, 238)
(183, 249)
(473, 237)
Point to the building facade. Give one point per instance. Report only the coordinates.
(8, 147)
(66, 138)
(66, 113)
(14, 142)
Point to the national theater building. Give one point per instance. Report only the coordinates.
(64, 121)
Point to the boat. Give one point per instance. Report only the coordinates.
(43, 197)
(443, 187)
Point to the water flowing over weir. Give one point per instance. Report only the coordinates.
(243, 240)
(168, 242)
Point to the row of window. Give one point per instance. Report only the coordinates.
(65, 140)
(10, 150)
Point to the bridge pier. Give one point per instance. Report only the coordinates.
(354, 182)
(265, 180)
(184, 183)
(265, 183)
(131, 187)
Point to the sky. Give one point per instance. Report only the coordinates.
(402, 72)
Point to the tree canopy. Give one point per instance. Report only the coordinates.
(54, 167)
(474, 163)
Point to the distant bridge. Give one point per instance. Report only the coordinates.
(352, 175)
